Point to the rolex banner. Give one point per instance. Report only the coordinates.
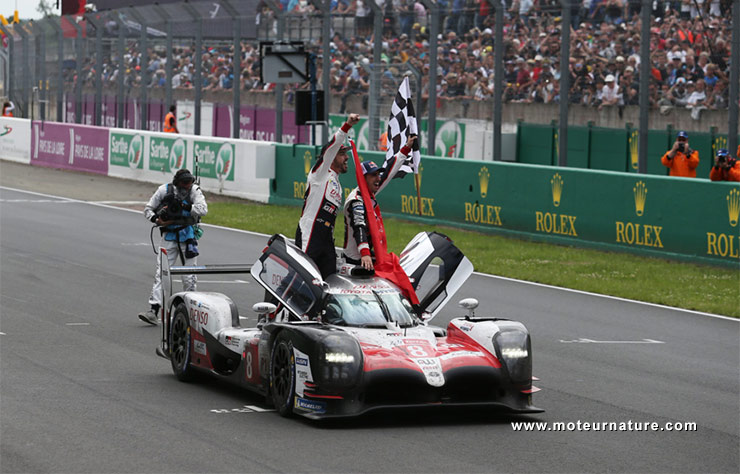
(692, 219)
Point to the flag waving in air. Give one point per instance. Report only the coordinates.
(401, 124)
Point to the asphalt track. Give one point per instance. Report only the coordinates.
(81, 389)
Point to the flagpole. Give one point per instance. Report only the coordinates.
(418, 190)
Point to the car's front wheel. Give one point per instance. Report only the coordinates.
(282, 375)
(180, 342)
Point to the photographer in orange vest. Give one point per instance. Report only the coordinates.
(8, 109)
(681, 159)
(170, 122)
(726, 168)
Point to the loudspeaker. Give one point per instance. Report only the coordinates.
(303, 106)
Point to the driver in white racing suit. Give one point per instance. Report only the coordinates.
(175, 207)
(322, 201)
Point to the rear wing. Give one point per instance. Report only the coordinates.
(166, 272)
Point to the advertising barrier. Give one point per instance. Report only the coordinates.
(15, 139)
(256, 123)
(238, 168)
(610, 210)
(67, 146)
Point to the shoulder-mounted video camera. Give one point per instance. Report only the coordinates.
(171, 208)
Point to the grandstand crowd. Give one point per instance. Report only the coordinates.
(689, 45)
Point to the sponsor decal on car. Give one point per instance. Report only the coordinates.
(303, 371)
(431, 367)
(232, 341)
(310, 405)
(199, 347)
(453, 355)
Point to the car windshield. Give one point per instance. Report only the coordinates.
(373, 309)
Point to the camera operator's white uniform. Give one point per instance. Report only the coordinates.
(199, 209)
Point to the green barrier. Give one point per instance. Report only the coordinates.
(578, 146)
(536, 144)
(611, 149)
(608, 150)
(688, 219)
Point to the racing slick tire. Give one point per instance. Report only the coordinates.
(180, 342)
(282, 375)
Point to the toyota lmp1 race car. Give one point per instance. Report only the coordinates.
(352, 343)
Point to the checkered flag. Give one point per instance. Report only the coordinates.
(401, 124)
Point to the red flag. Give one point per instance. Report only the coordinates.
(387, 264)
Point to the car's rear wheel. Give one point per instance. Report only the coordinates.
(282, 375)
(180, 342)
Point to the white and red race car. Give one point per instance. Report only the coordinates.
(352, 343)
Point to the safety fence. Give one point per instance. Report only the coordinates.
(679, 218)
(155, 52)
(611, 149)
(601, 209)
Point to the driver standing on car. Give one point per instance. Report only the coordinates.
(357, 241)
(322, 201)
(175, 208)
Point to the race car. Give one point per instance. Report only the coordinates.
(351, 343)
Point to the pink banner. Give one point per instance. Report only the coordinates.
(66, 146)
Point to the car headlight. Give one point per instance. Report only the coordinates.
(514, 352)
(339, 357)
(513, 347)
(341, 360)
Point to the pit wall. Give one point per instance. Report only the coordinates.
(677, 218)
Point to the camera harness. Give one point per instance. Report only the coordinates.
(167, 201)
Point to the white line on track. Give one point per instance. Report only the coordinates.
(53, 201)
(249, 232)
(591, 341)
(3, 334)
(77, 324)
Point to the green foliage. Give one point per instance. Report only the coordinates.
(684, 285)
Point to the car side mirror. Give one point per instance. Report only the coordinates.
(470, 304)
(264, 308)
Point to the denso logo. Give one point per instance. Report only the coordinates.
(197, 316)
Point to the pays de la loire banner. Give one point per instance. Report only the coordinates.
(74, 147)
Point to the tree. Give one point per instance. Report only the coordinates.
(45, 8)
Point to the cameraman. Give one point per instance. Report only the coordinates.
(726, 168)
(681, 159)
(175, 208)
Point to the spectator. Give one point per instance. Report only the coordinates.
(681, 160)
(610, 93)
(697, 99)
